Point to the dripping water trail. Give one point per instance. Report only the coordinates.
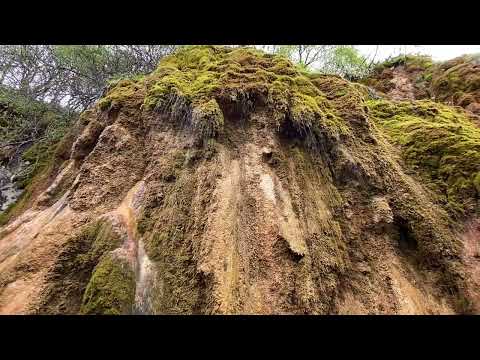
(145, 280)
(134, 247)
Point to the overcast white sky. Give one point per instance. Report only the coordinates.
(437, 52)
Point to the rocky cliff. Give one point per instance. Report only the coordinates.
(230, 182)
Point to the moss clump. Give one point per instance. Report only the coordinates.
(111, 289)
(75, 265)
(190, 74)
(439, 141)
(197, 83)
(101, 238)
(207, 119)
(124, 92)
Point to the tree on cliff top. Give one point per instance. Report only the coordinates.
(342, 60)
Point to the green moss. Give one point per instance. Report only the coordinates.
(348, 100)
(168, 244)
(167, 227)
(123, 92)
(111, 289)
(75, 265)
(440, 142)
(190, 84)
(207, 118)
(476, 182)
(103, 239)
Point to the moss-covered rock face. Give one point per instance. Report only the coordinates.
(130, 91)
(196, 84)
(439, 141)
(458, 82)
(75, 266)
(454, 82)
(111, 290)
(253, 219)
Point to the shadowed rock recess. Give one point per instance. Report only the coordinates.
(229, 182)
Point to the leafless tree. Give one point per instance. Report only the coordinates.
(73, 76)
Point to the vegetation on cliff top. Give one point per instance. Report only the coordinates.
(455, 82)
(28, 125)
(73, 75)
(458, 81)
(193, 84)
(411, 62)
